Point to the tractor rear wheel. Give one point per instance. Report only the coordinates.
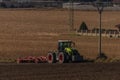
(51, 57)
(62, 57)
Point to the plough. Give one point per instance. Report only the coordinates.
(31, 59)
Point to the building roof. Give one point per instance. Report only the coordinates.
(64, 41)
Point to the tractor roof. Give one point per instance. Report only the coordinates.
(64, 41)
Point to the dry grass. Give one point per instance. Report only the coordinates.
(35, 32)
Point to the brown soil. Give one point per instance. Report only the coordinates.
(73, 71)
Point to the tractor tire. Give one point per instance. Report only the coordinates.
(62, 57)
(51, 57)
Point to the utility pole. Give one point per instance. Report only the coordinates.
(100, 7)
(71, 15)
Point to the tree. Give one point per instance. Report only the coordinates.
(83, 27)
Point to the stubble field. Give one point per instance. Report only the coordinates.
(35, 32)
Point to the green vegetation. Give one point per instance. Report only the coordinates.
(83, 27)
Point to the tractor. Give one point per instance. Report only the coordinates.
(65, 53)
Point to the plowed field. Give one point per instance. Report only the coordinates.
(72, 71)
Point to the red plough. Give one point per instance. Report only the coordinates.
(31, 59)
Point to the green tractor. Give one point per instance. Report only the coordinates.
(65, 53)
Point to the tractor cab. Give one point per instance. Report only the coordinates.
(62, 44)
